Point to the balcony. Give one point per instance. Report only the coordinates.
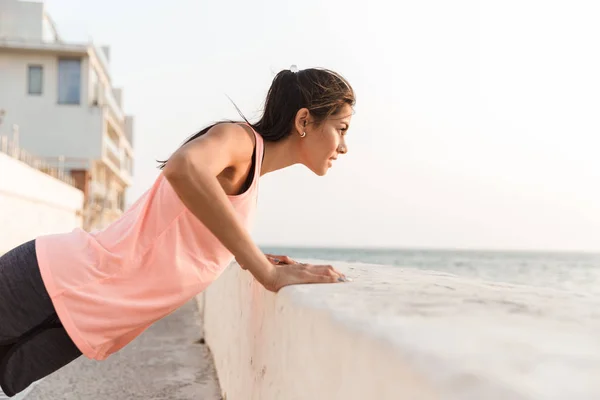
(129, 129)
(104, 98)
(113, 149)
(114, 107)
(117, 159)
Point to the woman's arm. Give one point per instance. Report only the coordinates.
(192, 172)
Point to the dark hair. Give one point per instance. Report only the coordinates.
(322, 91)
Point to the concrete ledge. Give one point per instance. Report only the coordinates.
(33, 204)
(401, 334)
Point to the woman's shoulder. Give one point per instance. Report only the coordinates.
(229, 141)
(236, 132)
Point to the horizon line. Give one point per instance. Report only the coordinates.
(440, 249)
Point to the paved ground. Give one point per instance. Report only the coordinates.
(165, 362)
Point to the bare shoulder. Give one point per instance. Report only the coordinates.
(236, 138)
(232, 133)
(223, 146)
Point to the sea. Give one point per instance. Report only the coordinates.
(560, 270)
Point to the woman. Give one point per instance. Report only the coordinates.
(77, 293)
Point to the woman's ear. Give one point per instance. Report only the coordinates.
(302, 120)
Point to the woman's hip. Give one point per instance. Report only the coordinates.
(24, 301)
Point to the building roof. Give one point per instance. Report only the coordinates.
(38, 46)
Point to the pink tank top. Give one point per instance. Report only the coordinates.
(111, 285)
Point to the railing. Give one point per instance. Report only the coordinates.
(113, 105)
(105, 98)
(99, 53)
(118, 157)
(113, 147)
(114, 160)
(127, 165)
(69, 163)
(55, 170)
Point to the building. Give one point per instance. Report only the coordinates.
(61, 97)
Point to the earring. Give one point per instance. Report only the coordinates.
(303, 134)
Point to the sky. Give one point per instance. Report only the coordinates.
(476, 122)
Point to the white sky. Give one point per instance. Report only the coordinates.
(477, 122)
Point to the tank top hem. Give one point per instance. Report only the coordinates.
(59, 306)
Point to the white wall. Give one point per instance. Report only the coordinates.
(401, 334)
(21, 20)
(33, 203)
(46, 127)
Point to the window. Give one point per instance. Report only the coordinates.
(69, 81)
(35, 79)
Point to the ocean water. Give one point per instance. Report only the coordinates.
(567, 271)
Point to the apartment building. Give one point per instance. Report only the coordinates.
(61, 98)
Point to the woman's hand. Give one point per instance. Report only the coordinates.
(275, 260)
(290, 272)
(297, 273)
(280, 260)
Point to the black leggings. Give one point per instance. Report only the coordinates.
(33, 342)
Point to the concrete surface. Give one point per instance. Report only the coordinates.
(165, 362)
(33, 203)
(401, 333)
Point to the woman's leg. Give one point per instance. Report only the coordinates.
(33, 342)
(24, 301)
(36, 355)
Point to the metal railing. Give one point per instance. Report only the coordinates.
(113, 148)
(54, 169)
(113, 105)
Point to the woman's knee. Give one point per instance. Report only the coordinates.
(35, 357)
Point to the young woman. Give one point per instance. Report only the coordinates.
(92, 293)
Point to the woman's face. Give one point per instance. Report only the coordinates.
(324, 143)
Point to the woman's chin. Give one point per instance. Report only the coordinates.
(321, 170)
(324, 171)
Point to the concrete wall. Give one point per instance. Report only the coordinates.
(21, 20)
(401, 334)
(46, 127)
(33, 203)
